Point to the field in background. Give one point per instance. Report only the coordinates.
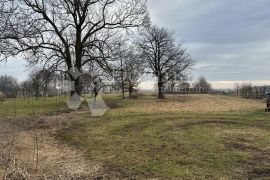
(11, 107)
(187, 136)
(32, 106)
(182, 136)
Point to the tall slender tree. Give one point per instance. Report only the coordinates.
(134, 70)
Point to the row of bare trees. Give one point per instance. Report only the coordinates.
(37, 84)
(109, 39)
(247, 90)
(183, 86)
(8, 84)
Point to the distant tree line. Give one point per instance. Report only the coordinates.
(247, 90)
(8, 85)
(183, 86)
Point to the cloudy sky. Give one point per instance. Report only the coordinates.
(228, 39)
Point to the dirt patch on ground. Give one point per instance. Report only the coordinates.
(255, 166)
(29, 150)
(191, 124)
(260, 172)
(241, 146)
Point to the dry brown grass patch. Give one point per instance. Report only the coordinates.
(55, 160)
(197, 103)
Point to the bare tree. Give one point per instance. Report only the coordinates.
(47, 76)
(246, 90)
(40, 80)
(36, 82)
(69, 33)
(128, 67)
(134, 69)
(7, 8)
(170, 85)
(202, 85)
(8, 85)
(237, 89)
(26, 89)
(164, 56)
(185, 86)
(119, 73)
(95, 78)
(176, 80)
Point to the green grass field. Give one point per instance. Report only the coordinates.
(32, 106)
(188, 136)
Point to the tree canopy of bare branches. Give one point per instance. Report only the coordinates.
(202, 85)
(128, 67)
(134, 70)
(7, 8)
(8, 84)
(68, 33)
(40, 80)
(163, 55)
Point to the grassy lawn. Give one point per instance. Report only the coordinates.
(187, 136)
(42, 106)
(30, 106)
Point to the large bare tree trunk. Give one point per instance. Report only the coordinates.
(160, 90)
(123, 89)
(130, 89)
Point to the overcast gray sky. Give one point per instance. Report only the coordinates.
(228, 39)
